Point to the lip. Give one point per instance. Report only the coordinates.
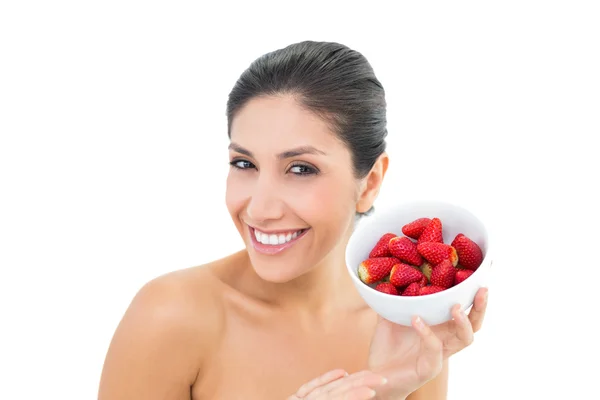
(270, 249)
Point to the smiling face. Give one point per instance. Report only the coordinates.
(291, 190)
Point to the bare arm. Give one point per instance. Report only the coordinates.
(435, 389)
(156, 350)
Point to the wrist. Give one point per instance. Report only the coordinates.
(387, 392)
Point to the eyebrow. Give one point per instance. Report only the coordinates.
(295, 152)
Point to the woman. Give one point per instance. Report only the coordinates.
(281, 319)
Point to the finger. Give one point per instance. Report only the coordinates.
(463, 328)
(432, 347)
(357, 380)
(477, 313)
(322, 380)
(430, 340)
(359, 393)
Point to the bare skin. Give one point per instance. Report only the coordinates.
(262, 323)
(197, 334)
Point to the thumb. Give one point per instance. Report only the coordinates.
(432, 356)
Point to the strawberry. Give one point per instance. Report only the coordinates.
(412, 290)
(375, 269)
(435, 252)
(430, 290)
(432, 232)
(403, 275)
(461, 275)
(426, 269)
(388, 288)
(415, 228)
(381, 249)
(469, 253)
(405, 250)
(443, 274)
(424, 281)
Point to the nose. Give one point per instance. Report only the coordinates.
(265, 202)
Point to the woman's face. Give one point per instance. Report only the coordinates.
(291, 190)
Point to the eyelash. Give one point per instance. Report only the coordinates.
(310, 169)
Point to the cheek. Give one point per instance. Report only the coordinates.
(236, 193)
(324, 203)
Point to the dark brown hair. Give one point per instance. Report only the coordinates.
(329, 79)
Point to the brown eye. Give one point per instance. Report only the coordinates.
(241, 164)
(302, 169)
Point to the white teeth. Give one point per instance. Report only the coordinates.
(273, 239)
(264, 239)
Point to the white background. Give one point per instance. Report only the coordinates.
(113, 162)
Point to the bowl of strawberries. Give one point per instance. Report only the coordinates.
(419, 258)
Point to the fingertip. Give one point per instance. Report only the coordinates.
(419, 324)
(483, 296)
(457, 312)
(483, 292)
(337, 373)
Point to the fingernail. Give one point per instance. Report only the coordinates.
(345, 374)
(463, 316)
(372, 394)
(485, 295)
(420, 323)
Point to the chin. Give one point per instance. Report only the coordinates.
(276, 278)
(273, 271)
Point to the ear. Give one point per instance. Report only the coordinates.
(371, 184)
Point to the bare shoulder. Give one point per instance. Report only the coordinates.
(165, 336)
(183, 301)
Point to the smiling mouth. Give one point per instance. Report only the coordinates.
(275, 242)
(275, 239)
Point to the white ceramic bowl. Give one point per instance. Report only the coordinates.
(433, 308)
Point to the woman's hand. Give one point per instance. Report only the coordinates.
(338, 385)
(457, 333)
(409, 357)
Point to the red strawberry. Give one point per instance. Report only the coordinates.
(412, 290)
(403, 275)
(381, 249)
(415, 228)
(388, 288)
(426, 269)
(432, 232)
(435, 253)
(469, 253)
(424, 281)
(443, 274)
(405, 250)
(461, 275)
(431, 289)
(375, 269)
